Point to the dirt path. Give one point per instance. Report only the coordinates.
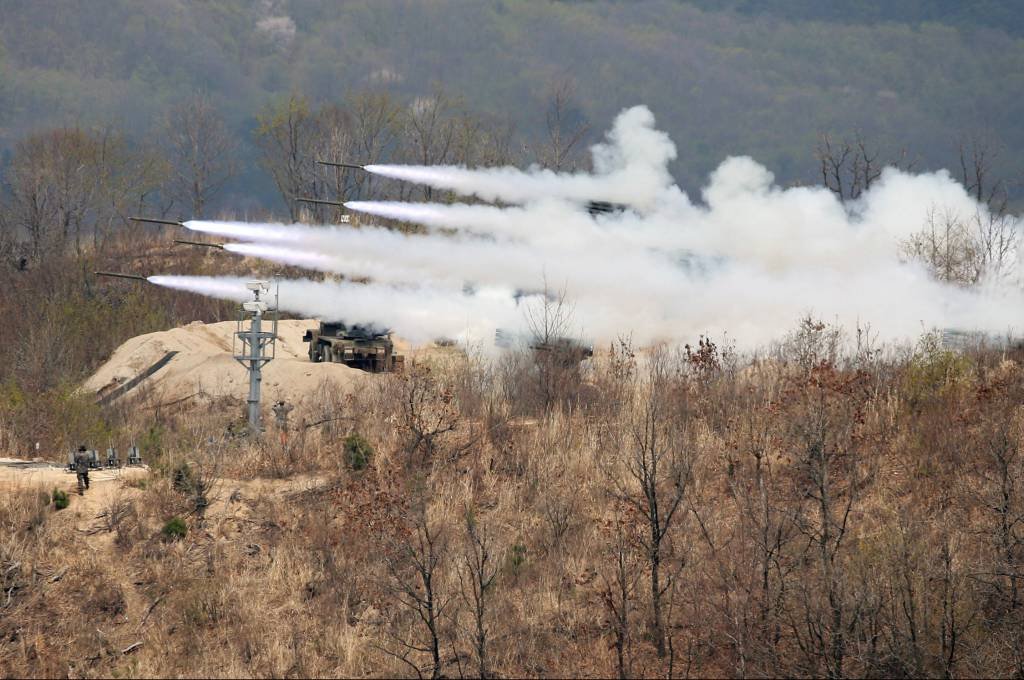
(103, 484)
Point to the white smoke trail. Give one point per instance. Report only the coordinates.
(299, 258)
(392, 257)
(242, 230)
(213, 286)
(513, 222)
(750, 260)
(420, 314)
(630, 168)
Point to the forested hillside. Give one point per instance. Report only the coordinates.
(778, 434)
(764, 79)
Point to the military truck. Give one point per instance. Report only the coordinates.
(604, 208)
(368, 349)
(567, 351)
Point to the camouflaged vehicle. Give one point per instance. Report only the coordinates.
(361, 347)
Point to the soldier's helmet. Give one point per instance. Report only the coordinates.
(82, 448)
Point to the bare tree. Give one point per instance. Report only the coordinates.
(947, 248)
(823, 426)
(849, 168)
(618, 589)
(287, 135)
(565, 126)
(70, 185)
(429, 411)
(482, 141)
(758, 562)
(556, 354)
(32, 206)
(334, 140)
(968, 249)
(53, 187)
(996, 235)
(1001, 491)
(376, 124)
(363, 131)
(978, 154)
(414, 562)
(477, 572)
(430, 131)
(200, 151)
(9, 237)
(657, 470)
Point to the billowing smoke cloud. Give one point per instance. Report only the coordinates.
(749, 260)
(630, 168)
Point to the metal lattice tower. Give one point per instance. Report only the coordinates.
(253, 344)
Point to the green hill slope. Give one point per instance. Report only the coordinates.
(757, 78)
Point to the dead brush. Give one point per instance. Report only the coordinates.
(23, 509)
(105, 599)
(11, 572)
(116, 511)
(560, 511)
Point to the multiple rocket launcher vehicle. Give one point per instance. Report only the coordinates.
(359, 346)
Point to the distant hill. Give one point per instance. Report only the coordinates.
(1001, 14)
(760, 78)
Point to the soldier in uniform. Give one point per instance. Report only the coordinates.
(82, 469)
(281, 410)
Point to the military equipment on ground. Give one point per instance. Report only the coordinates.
(604, 207)
(568, 351)
(94, 460)
(362, 347)
(118, 275)
(153, 220)
(90, 456)
(219, 246)
(255, 347)
(111, 460)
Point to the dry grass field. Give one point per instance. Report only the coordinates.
(657, 513)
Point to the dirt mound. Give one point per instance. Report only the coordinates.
(203, 368)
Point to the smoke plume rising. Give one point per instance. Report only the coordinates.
(748, 260)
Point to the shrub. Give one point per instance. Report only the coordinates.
(60, 499)
(517, 558)
(182, 478)
(151, 444)
(107, 599)
(175, 529)
(358, 452)
(934, 369)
